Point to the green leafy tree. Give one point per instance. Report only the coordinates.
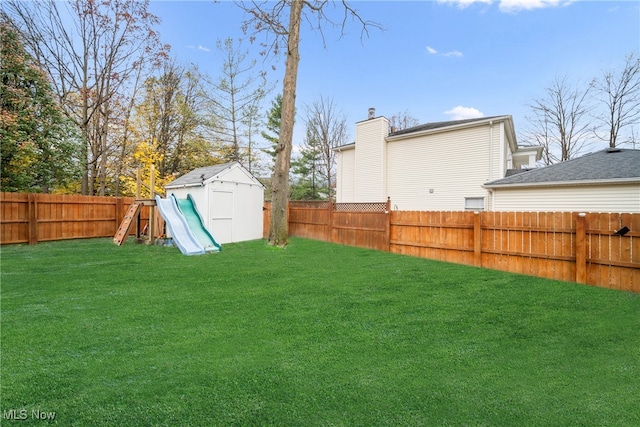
(37, 152)
(274, 120)
(308, 182)
(169, 121)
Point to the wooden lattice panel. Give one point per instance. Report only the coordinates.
(361, 207)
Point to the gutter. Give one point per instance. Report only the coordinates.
(345, 147)
(183, 185)
(635, 180)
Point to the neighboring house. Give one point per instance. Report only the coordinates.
(604, 181)
(435, 166)
(228, 197)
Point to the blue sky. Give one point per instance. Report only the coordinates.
(437, 60)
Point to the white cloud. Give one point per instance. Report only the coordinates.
(517, 5)
(462, 113)
(199, 47)
(462, 4)
(510, 5)
(453, 53)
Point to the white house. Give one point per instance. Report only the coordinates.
(435, 166)
(604, 181)
(228, 197)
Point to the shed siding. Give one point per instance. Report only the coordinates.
(453, 164)
(370, 162)
(199, 195)
(244, 209)
(603, 198)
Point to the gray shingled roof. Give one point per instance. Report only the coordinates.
(199, 175)
(426, 126)
(438, 125)
(608, 165)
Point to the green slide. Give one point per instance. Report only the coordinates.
(196, 225)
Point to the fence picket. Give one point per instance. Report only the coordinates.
(543, 244)
(33, 218)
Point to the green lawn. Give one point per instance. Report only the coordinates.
(316, 334)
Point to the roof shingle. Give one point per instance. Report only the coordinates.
(438, 125)
(199, 175)
(605, 165)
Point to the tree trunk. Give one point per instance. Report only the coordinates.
(278, 229)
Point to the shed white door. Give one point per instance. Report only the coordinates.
(221, 213)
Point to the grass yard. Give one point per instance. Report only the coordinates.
(316, 334)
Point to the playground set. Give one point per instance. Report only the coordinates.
(181, 217)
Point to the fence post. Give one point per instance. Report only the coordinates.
(387, 211)
(151, 222)
(288, 213)
(581, 249)
(33, 219)
(330, 227)
(477, 239)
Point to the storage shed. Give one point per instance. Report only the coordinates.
(228, 197)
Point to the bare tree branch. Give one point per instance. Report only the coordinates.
(91, 51)
(621, 97)
(282, 20)
(560, 122)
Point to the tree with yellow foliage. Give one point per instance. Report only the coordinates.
(145, 156)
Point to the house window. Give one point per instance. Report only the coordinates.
(474, 203)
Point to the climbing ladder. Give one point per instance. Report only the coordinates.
(125, 225)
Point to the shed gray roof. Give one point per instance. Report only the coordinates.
(609, 165)
(199, 175)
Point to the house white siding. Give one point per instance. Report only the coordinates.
(495, 143)
(370, 161)
(585, 198)
(346, 175)
(439, 166)
(438, 171)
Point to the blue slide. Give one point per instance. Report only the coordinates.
(182, 236)
(196, 225)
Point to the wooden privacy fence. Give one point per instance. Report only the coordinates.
(33, 218)
(354, 224)
(566, 246)
(583, 248)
